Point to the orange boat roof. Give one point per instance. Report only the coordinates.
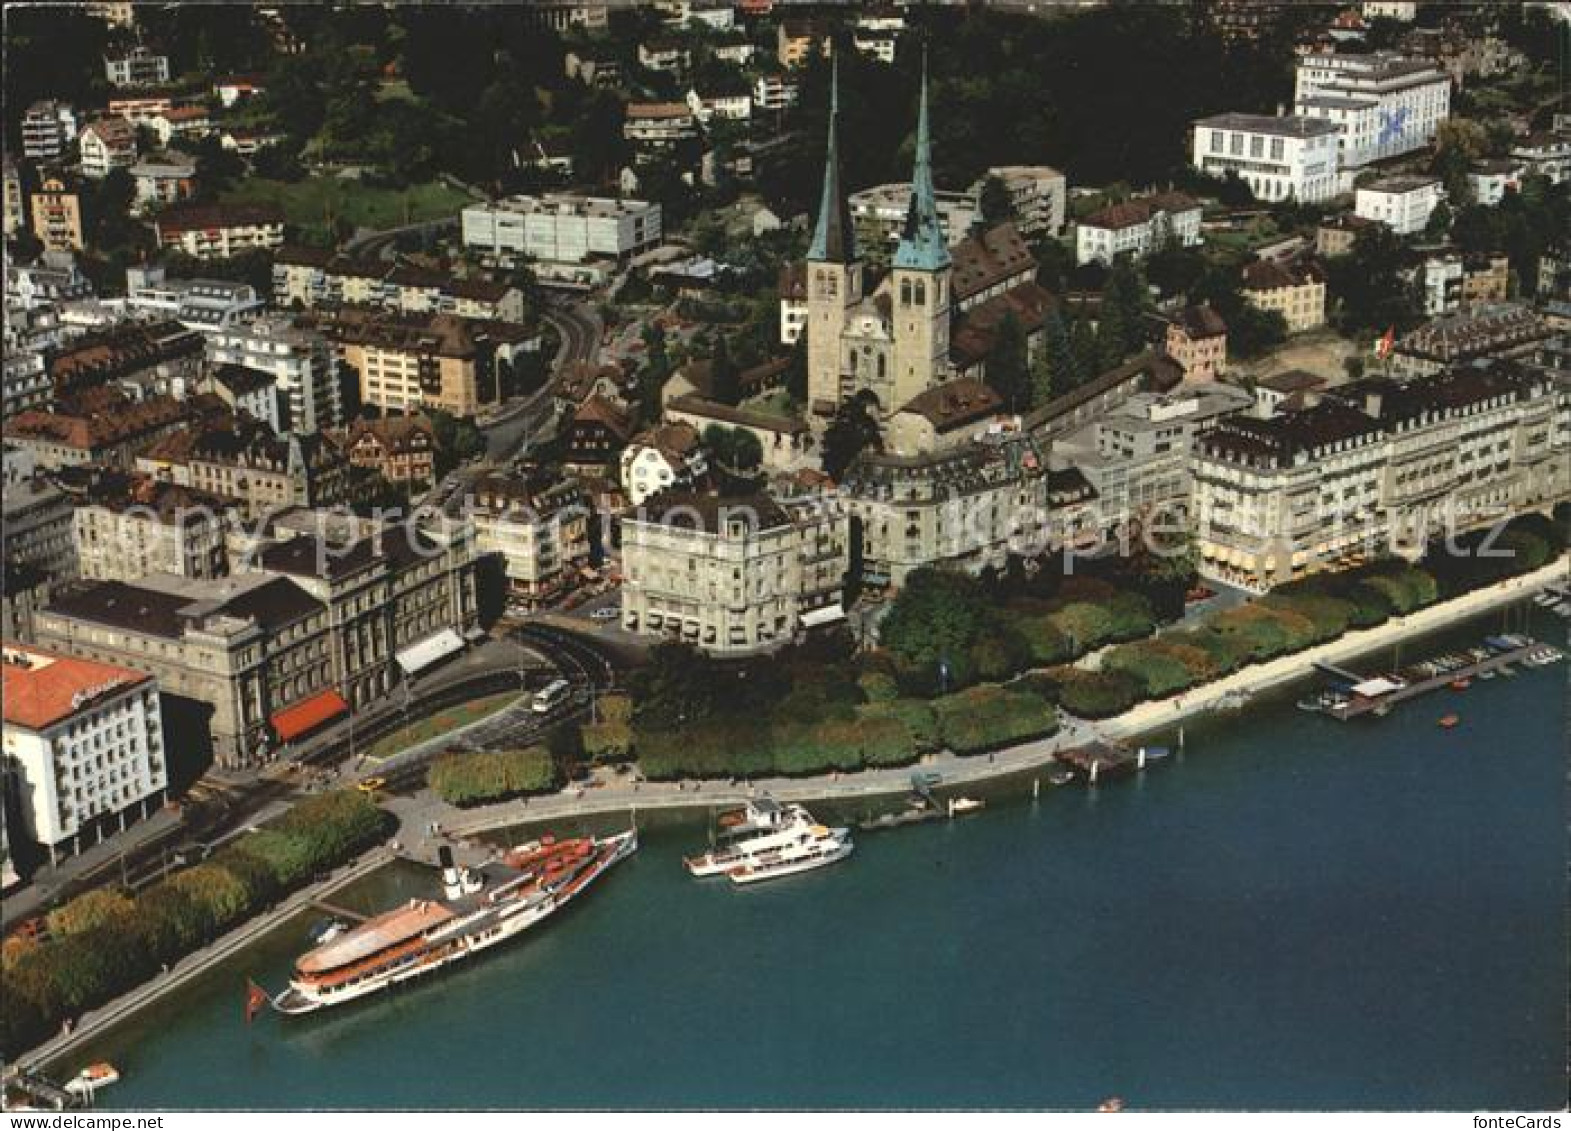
(387, 929)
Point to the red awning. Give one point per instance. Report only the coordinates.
(308, 714)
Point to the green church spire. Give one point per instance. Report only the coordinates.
(833, 239)
(922, 243)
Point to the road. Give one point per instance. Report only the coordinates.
(511, 433)
(377, 245)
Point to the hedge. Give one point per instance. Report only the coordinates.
(105, 942)
(916, 715)
(877, 734)
(985, 718)
(463, 778)
(1094, 694)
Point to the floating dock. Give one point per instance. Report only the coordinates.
(1378, 694)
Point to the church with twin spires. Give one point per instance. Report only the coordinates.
(960, 482)
(894, 342)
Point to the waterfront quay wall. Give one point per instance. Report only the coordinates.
(1143, 719)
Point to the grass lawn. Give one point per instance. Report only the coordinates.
(448, 720)
(774, 402)
(308, 203)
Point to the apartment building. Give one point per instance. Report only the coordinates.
(732, 576)
(106, 145)
(137, 67)
(1285, 158)
(240, 460)
(1452, 282)
(1136, 458)
(796, 40)
(299, 358)
(197, 304)
(1506, 330)
(670, 456)
(961, 507)
(218, 231)
(48, 128)
(1038, 195)
(776, 92)
(84, 743)
(57, 216)
(1376, 466)
(401, 449)
(562, 227)
(141, 359)
(1295, 289)
(404, 363)
(538, 526)
(1138, 226)
(163, 179)
(1383, 104)
(37, 522)
(128, 526)
(658, 127)
(1197, 341)
(111, 437)
(309, 277)
(15, 202)
(1489, 181)
(1403, 204)
(878, 216)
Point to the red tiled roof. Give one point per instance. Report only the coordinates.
(42, 688)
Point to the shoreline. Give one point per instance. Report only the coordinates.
(956, 770)
(1144, 718)
(93, 1024)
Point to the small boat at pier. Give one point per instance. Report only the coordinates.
(93, 1077)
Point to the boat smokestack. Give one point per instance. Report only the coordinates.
(452, 886)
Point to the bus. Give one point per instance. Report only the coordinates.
(551, 696)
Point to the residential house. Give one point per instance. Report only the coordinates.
(1197, 340)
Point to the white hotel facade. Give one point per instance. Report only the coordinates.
(84, 746)
(1384, 104)
(1378, 466)
(1279, 158)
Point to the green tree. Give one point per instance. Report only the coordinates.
(1008, 371)
(994, 204)
(853, 430)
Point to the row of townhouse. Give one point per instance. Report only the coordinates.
(310, 277)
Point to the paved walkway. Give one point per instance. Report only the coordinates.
(91, 1025)
(619, 794)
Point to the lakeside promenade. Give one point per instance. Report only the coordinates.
(93, 1023)
(618, 796)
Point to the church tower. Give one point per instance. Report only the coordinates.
(920, 280)
(834, 277)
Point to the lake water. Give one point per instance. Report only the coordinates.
(1296, 913)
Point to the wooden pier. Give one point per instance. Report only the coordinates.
(1379, 704)
(1099, 760)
